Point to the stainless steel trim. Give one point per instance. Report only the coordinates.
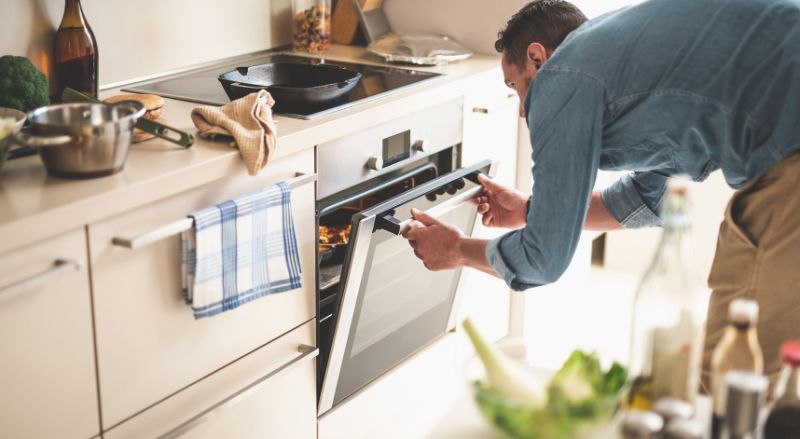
(451, 321)
(185, 224)
(363, 238)
(59, 268)
(439, 209)
(306, 353)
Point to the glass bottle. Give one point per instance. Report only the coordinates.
(76, 58)
(737, 350)
(311, 25)
(668, 315)
(784, 419)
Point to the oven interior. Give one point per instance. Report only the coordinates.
(334, 216)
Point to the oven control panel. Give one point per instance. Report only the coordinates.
(350, 160)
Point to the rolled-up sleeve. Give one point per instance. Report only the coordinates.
(634, 199)
(565, 117)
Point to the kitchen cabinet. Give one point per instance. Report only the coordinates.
(268, 393)
(491, 116)
(149, 345)
(47, 372)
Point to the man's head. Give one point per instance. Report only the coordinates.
(530, 38)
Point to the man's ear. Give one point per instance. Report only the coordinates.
(536, 55)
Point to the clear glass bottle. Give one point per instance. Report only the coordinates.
(668, 315)
(737, 350)
(784, 419)
(76, 56)
(311, 25)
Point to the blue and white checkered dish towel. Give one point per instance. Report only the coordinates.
(240, 250)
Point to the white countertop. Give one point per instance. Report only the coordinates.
(34, 206)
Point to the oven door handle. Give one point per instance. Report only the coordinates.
(389, 223)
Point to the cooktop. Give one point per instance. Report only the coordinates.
(203, 87)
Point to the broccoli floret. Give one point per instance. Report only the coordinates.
(22, 86)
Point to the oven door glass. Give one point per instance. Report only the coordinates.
(391, 305)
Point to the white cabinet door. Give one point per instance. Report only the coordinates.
(491, 118)
(149, 345)
(269, 393)
(47, 369)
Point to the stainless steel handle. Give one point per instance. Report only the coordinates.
(185, 224)
(487, 110)
(393, 225)
(59, 268)
(34, 141)
(306, 353)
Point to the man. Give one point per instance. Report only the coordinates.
(663, 88)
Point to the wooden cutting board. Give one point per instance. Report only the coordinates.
(344, 23)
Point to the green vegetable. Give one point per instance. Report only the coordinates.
(579, 397)
(22, 87)
(504, 375)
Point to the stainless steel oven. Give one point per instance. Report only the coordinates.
(378, 304)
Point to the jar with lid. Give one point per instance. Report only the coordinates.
(311, 25)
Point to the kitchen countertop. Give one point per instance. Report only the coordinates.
(35, 206)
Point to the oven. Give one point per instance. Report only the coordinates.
(377, 303)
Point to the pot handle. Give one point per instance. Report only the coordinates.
(41, 141)
(166, 132)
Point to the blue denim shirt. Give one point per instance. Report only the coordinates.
(663, 88)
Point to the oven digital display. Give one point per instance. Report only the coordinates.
(396, 148)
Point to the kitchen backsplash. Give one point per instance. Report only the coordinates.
(141, 37)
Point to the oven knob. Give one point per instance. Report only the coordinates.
(375, 163)
(421, 145)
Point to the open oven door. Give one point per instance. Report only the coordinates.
(391, 306)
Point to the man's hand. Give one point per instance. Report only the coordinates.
(501, 206)
(438, 245)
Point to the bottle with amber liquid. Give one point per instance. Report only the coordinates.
(737, 350)
(76, 59)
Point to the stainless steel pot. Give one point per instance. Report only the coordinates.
(82, 140)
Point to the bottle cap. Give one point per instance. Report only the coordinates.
(684, 429)
(673, 408)
(743, 311)
(790, 352)
(641, 425)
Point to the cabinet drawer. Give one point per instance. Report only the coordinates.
(280, 400)
(149, 345)
(47, 372)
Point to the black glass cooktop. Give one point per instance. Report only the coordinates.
(204, 88)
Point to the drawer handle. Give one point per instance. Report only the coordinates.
(185, 224)
(59, 268)
(306, 353)
(485, 110)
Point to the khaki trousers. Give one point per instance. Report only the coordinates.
(758, 257)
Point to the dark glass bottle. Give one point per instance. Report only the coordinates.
(784, 419)
(76, 59)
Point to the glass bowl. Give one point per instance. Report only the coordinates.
(7, 132)
(553, 421)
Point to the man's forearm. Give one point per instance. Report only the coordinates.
(473, 253)
(598, 217)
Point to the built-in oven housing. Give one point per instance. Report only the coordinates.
(377, 303)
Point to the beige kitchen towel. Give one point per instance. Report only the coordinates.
(248, 120)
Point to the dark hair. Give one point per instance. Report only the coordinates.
(546, 22)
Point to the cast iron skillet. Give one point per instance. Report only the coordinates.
(296, 88)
